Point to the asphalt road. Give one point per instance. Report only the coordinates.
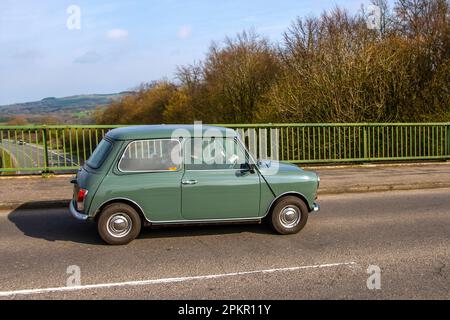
(405, 233)
(31, 155)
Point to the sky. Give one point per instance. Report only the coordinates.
(45, 51)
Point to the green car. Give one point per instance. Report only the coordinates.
(162, 175)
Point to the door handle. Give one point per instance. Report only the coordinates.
(189, 182)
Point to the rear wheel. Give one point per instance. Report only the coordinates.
(119, 224)
(289, 215)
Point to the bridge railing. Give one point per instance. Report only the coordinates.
(36, 149)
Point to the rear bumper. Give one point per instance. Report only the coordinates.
(316, 207)
(75, 213)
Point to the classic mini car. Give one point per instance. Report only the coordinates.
(169, 175)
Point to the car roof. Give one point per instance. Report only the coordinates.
(168, 131)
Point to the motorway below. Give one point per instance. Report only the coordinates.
(30, 155)
(405, 233)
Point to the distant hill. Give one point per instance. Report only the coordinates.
(67, 110)
(52, 105)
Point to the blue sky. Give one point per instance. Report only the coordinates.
(123, 43)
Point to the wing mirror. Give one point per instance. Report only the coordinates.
(248, 167)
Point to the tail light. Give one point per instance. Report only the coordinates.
(81, 197)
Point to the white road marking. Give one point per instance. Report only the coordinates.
(166, 280)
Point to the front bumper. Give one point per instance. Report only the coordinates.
(75, 213)
(316, 207)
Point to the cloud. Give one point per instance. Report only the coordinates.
(184, 32)
(116, 34)
(88, 57)
(27, 55)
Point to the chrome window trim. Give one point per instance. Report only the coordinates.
(179, 168)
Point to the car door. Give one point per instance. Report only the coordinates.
(214, 185)
(149, 173)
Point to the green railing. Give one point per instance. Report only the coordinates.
(35, 149)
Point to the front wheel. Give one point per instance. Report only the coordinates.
(289, 215)
(118, 224)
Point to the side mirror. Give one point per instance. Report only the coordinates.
(248, 167)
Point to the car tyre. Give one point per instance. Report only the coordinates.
(289, 215)
(119, 224)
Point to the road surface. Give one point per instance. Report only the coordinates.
(405, 233)
(31, 155)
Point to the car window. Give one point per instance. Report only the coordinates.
(213, 154)
(151, 155)
(99, 155)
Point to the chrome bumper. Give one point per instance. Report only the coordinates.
(316, 207)
(75, 213)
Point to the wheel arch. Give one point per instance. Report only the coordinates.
(285, 194)
(126, 201)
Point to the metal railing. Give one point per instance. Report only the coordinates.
(35, 149)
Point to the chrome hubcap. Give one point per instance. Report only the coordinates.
(290, 216)
(119, 225)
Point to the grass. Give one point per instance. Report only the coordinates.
(83, 114)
